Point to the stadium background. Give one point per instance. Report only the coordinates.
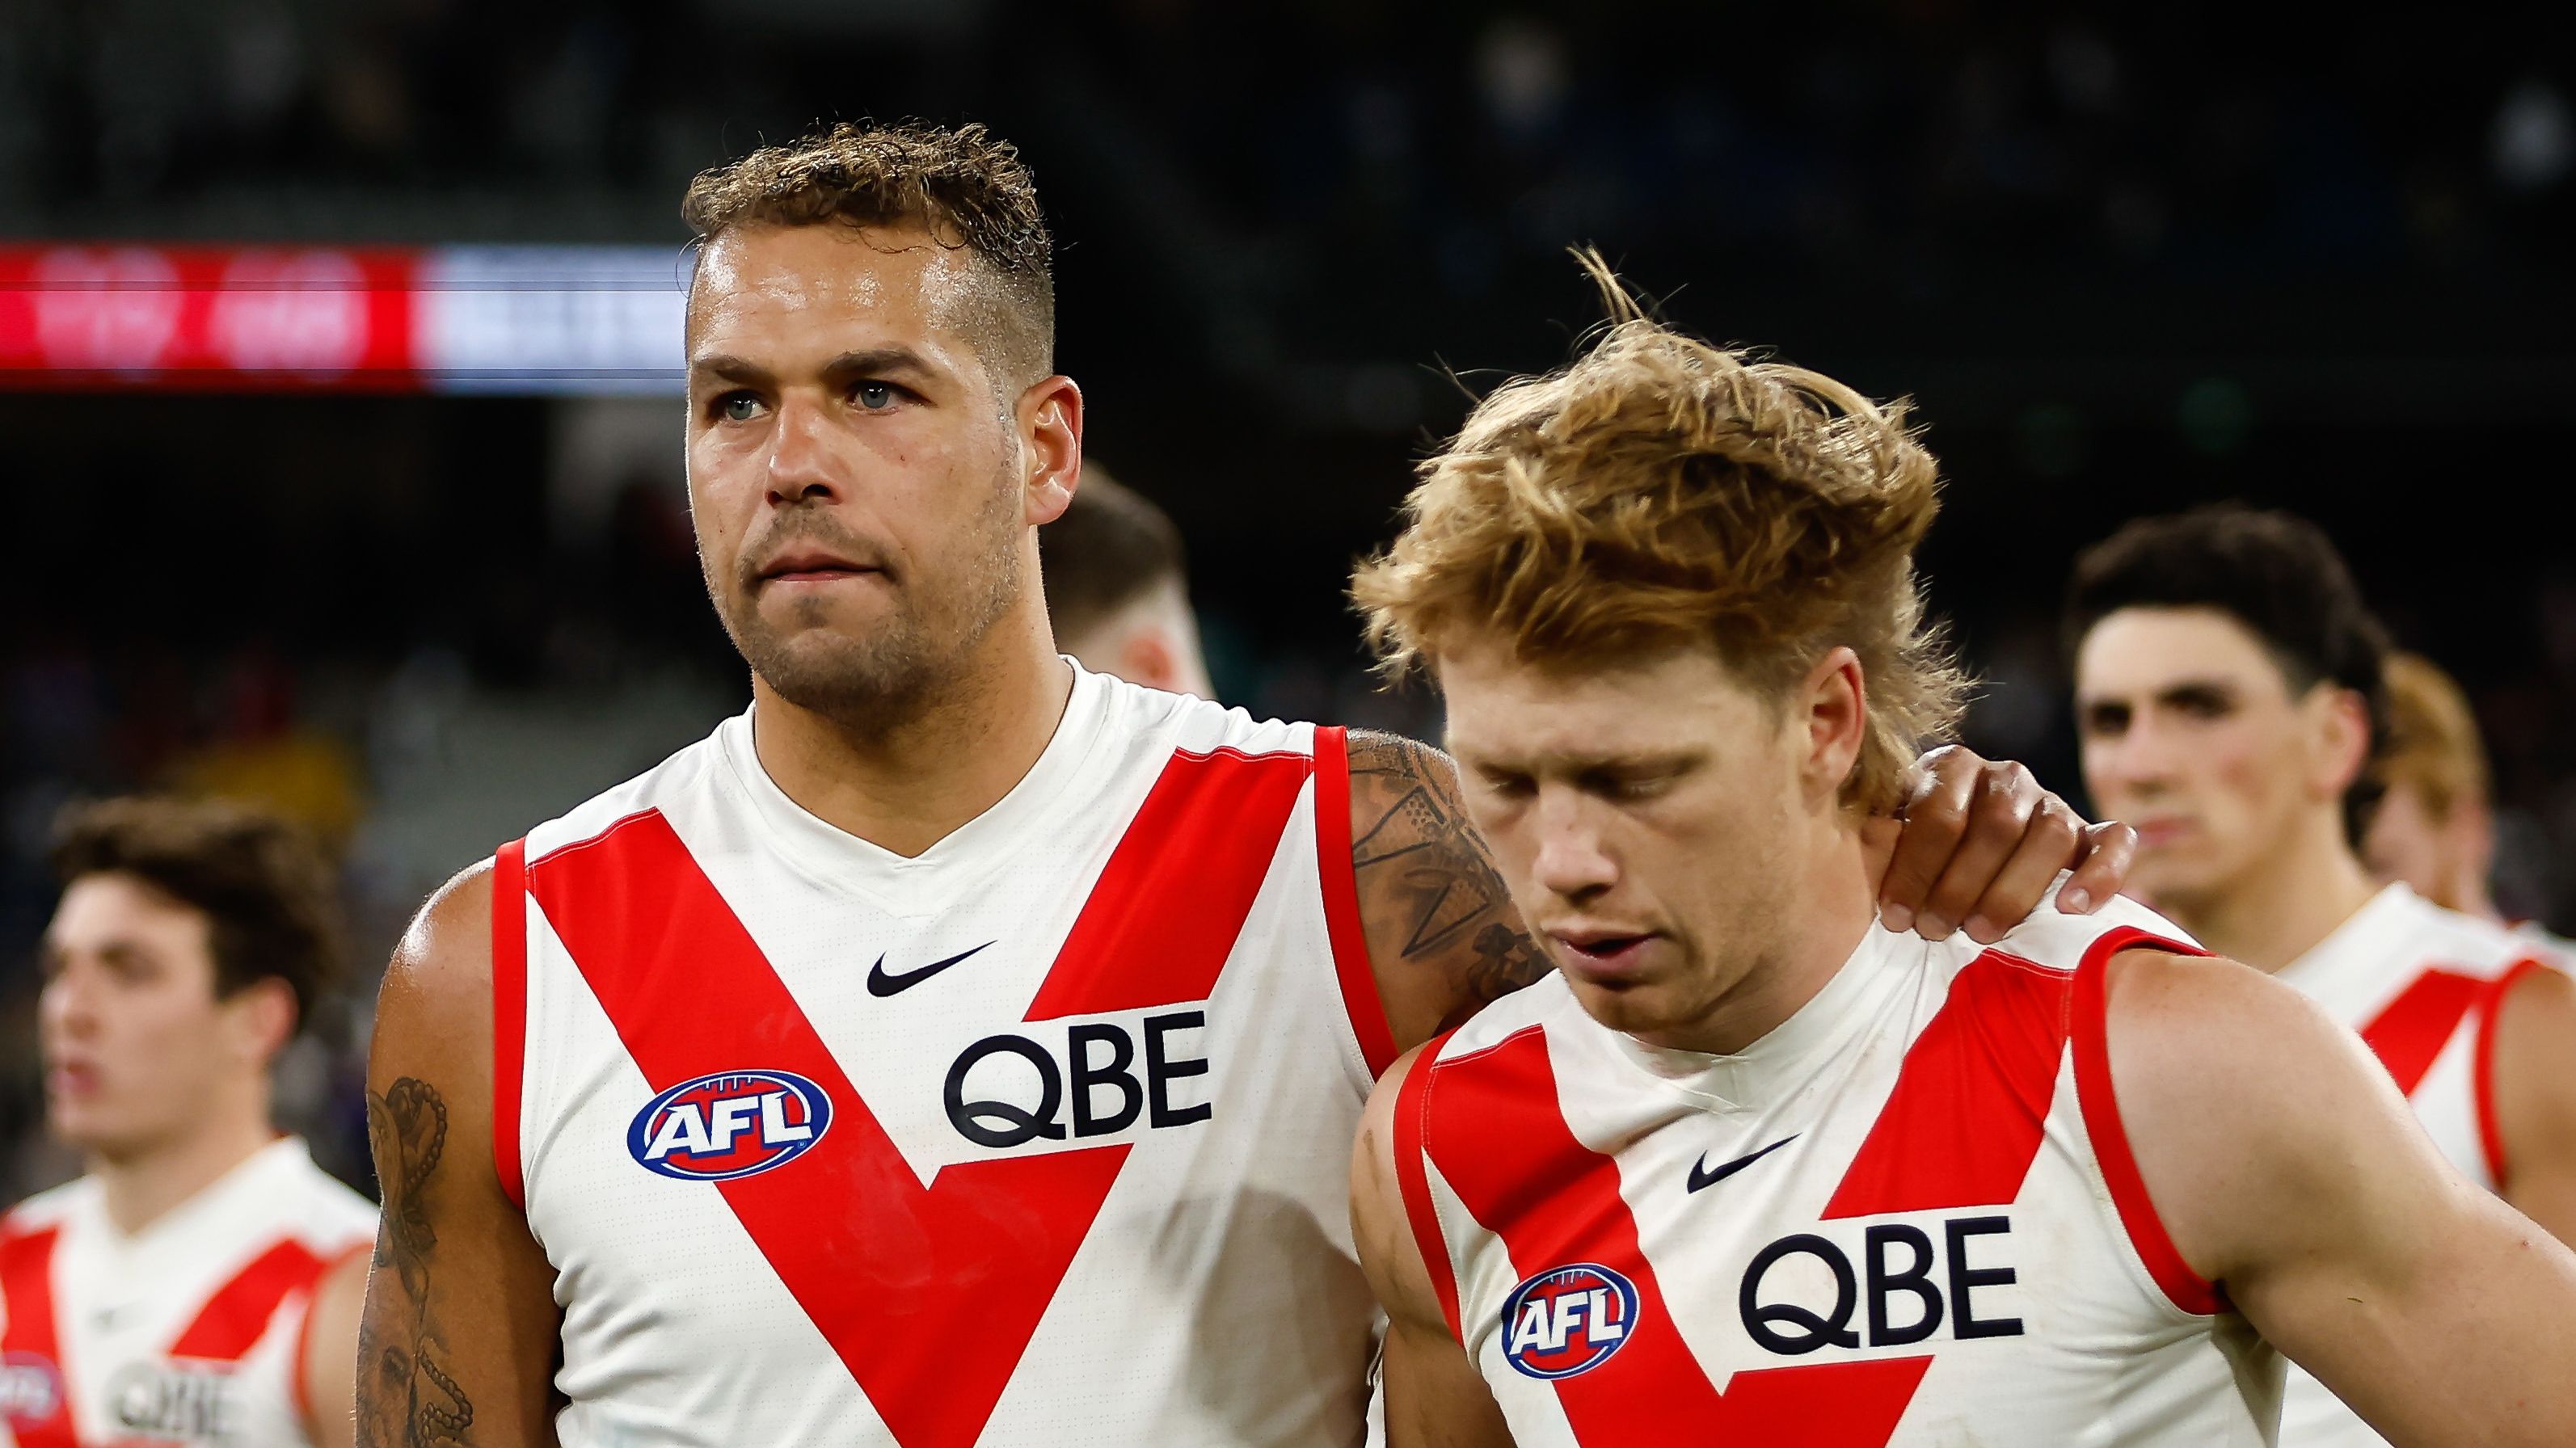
(2125, 259)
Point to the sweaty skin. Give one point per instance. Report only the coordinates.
(836, 404)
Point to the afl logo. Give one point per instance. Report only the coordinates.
(732, 1124)
(1568, 1320)
(31, 1391)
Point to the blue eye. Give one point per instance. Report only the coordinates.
(737, 407)
(875, 396)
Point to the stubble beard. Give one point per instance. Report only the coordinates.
(904, 663)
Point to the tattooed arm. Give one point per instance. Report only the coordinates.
(458, 1340)
(1442, 934)
(1980, 843)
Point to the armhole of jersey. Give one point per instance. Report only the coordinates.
(509, 1011)
(1341, 886)
(299, 1380)
(2089, 1034)
(1412, 1118)
(2490, 1006)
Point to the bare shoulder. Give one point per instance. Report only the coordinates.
(435, 1002)
(1442, 935)
(2244, 1104)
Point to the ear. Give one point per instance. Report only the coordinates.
(1832, 704)
(1050, 429)
(2338, 739)
(260, 1019)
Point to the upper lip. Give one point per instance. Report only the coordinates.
(1583, 935)
(806, 558)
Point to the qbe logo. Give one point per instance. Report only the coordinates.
(31, 1390)
(1568, 1320)
(728, 1125)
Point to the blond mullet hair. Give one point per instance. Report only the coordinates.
(1658, 491)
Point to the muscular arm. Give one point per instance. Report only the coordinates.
(2535, 1099)
(1980, 844)
(2287, 1167)
(1434, 1396)
(459, 1335)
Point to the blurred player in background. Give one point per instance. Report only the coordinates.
(201, 1283)
(959, 1047)
(1696, 1186)
(2434, 829)
(1118, 590)
(2229, 694)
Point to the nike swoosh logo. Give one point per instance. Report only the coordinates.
(882, 985)
(1701, 1176)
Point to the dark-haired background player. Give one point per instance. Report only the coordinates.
(1751, 1168)
(200, 1283)
(959, 1047)
(2229, 694)
(1118, 588)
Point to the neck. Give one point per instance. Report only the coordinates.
(1831, 909)
(906, 787)
(139, 1187)
(2285, 902)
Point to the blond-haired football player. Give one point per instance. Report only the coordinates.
(2435, 829)
(1753, 1168)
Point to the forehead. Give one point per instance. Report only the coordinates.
(1506, 710)
(2139, 651)
(826, 289)
(99, 909)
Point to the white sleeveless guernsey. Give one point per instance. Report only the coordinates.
(2421, 984)
(1908, 1216)
(1039, 1138)
(191, 1331)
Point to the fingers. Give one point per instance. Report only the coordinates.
(1936, 816)
(2048, 844)
(2004, 812)
(2104, 854)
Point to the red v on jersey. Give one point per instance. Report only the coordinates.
(929, 1296)
(236, 1317)
(2409, 1032)
(27, 1282)
(1503, 1146)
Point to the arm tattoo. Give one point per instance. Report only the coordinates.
(405, 1400)
(1421, 851)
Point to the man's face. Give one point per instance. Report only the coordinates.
(1647, 816)
(2191, 734)
(134, 1040)
(854, 470)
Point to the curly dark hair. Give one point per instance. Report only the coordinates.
(965, 186)
(2277, 574)
(270, 898)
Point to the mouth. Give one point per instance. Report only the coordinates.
(1603, 954)
(2156, 832)
(71, 1080)
(812, 565)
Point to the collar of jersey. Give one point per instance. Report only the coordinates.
(1783, 1060)
(838, 860)
(241, 1202)
(2364, 936)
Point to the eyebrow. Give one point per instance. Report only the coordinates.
(867, 362)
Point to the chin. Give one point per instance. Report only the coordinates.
(1637, 1009)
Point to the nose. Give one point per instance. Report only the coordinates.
(801, 464)
(1573, 861)
(67, 1008)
